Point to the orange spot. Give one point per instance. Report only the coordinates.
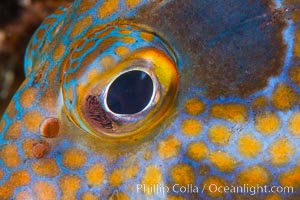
(281, 151)
(222, 161)
(50, 127)
(46, 167)
(284, 97)
(294, 73)
(116, 178)
(191, 127)
(253, 176)
(24, 195)
(48, 99)
(233, 112)
(107, 8)
(95, 174)
(122, 51)
(89, 196)
(291, 178)
(249, 146)
(273, 197)
(259, 103)
(297, 44)
(152, 175)
(182, 174)
(13, 131)
(197, 151)
(219, 134)
(131, 171)
(147, 36)
(194, 106)
(169, 147)
(16, 179)
(28, 96)
(74, 158)
(44, 191)
(214, 182)
(267, 123)
(11, 109)
(81, 24)
(85, 5)
(32, 121)
(107, 62)
(132, 3)
(119, 196)
(128, 39)
(69, 185)
(294, 124)
(10, 156)
(59, 51)
(2, 124)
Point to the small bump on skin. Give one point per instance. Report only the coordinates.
(50, 127)
(32, 121)
(219, 134)
(294, 124)
(46, 167)
(169, 147)
(40, 149)
(254, 175)
(197, 151)
(232, 112)
(249, 146)
(10, 156)
(95, 174)
(281, 151)
(191, 127)
(194, 106)
(267, 123)
(284, 97)
(44, 191)
(222, 161)
(214, 180)
(152, 175)
(182, 174)
(74, 158)
(13, 132)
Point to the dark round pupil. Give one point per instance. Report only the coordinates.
(130, 93)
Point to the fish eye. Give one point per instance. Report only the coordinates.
(130, 93)
(122, 86)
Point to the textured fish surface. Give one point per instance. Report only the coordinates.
(161, 99)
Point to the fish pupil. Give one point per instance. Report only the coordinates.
(130, 93)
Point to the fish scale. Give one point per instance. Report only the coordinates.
(224, 111)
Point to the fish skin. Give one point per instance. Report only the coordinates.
(231, 121)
